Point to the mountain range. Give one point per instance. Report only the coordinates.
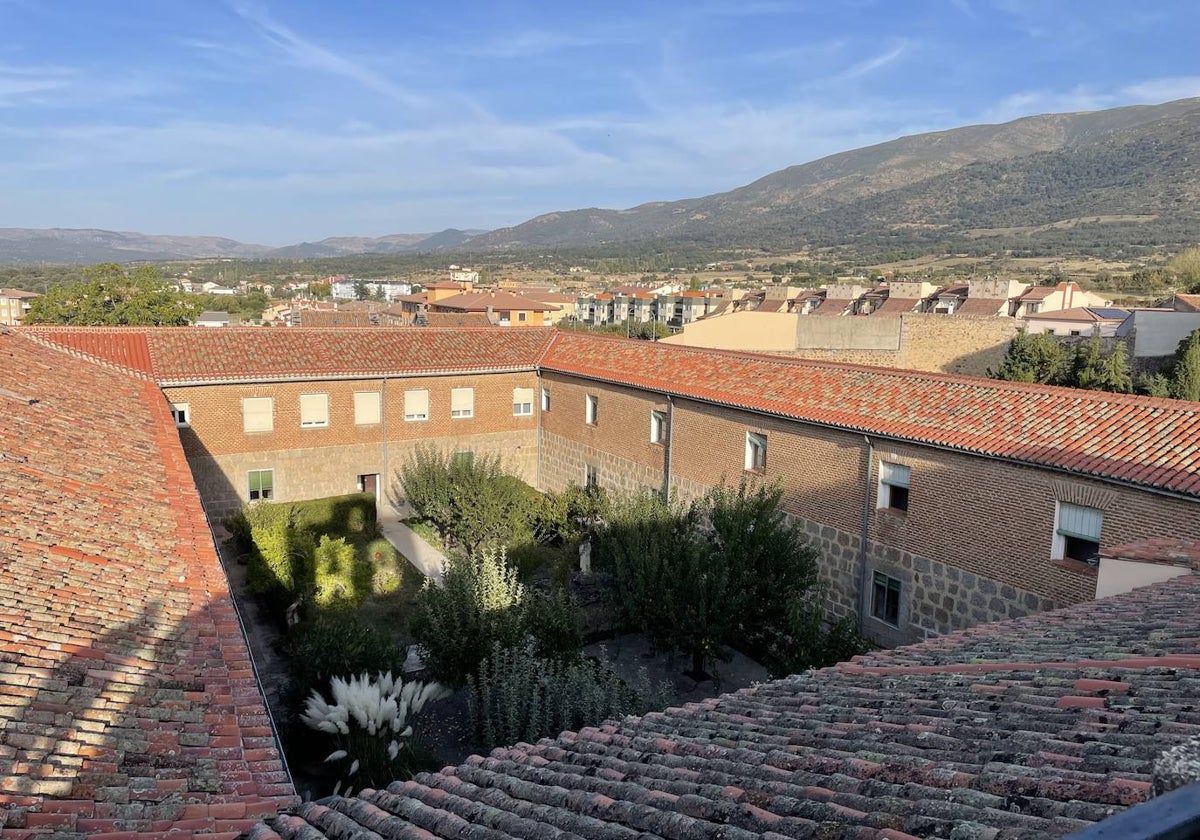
(1118, 179)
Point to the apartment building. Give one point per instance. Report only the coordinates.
(14, 303)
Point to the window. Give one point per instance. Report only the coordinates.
(756, 452)
(262, 484)
(258, 414)
(521, 316)
(462, 458)
(658, 426)
(416, 405)
(522, 402)
(462, 402)
(1077, 532)
(591, 477)
(591, 409)
(367, 411)
(545, 399)
(893, 485)
(314, 411)
(1075, 332)
(182, 413)
(885, 599)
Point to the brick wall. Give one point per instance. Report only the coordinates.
(315, 462)
(618, 445)
(974, 546)
(300, 474)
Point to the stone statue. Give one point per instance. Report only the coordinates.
(585, 557)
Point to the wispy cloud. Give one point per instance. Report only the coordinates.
(877, 62)
(1086, 98)
(537, 42)
(308, 53)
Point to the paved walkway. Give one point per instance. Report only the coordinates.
(419, 553)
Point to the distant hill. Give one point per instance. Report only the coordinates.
(1115, 181)
(1024, 183)
(63, 245)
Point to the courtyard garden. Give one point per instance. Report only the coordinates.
(499, 645)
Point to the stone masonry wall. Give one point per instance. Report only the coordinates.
(301, 474)
(974, 545)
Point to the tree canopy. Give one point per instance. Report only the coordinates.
(110, 295)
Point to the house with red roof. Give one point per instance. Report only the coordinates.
(503, 308)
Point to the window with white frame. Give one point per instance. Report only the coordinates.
(591, 476)
(258, 414)
(658, 426)
(1077, 532)
(314, 411)
(367, 408)
(756, 452)
(462, 403)
(591, 409)
(893, 485)
(545, 399)
(416, 405)
(261, 484)
(885, 599)
(522, 402)
(182, 413)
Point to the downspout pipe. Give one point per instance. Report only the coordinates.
(864, 538)
(670, 448)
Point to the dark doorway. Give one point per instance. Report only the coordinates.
(369, 484)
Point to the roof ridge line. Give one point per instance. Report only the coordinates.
(1132, 663)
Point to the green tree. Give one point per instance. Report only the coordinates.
(361, 292)
(1184, 268)
(1115, 374)
(1033, 358)
(321, 291)
(1154, 386)
(110, 294)
(1086, 366)
(728, 569)
(1185, 375)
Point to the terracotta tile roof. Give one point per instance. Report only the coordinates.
(832, 306)
(1087, 314)
(1186, 303)
(127, 699)
(457, 319)
(983, 307)
(897, 306)
(340, 318)
(1165, 551)
(1039, 293)
(420, 297)
(545, 296)
(772, 305)
(180, 355)
(1139, 440)
(18, 294)
(494, 300)
(1030, 728)
(123, 347)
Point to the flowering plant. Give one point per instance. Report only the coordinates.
(371, 721)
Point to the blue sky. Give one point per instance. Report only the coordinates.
(277, 122)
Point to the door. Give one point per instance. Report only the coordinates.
(369, 484)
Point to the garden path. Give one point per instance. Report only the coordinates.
(430, 561)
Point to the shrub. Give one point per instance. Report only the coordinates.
(518, 696)
(387, 571)
(337, 645)
(728, 570)
(479, 604)
(282, 550)
(238, 526)
(552, 620)
(341, 579)
(482, 603)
